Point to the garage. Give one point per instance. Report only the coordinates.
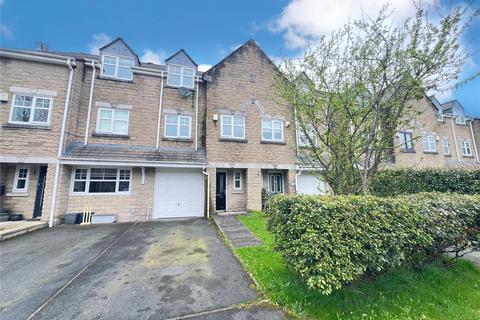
(307, 183)
(179, 193)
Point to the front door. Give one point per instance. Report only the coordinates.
(42, 176)
(221, 199)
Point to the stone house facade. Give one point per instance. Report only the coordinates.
(148, 141)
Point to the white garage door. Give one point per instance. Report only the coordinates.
(309, 184)
(178, 193)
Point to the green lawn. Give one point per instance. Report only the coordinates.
(435, 292)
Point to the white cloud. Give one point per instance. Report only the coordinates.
(5, 31)
(98, 41)
(156, 57)
(303, 20)
(204, 67)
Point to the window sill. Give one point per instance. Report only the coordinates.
(26, 126)
(233, 140)
(273, 142)
(468, 157)
(238, 191)
(110, 135)
(115, 79)
(430, 152)
(185, 140)
(17, 194)
(447, 155)
(177, 87)
(407, 151)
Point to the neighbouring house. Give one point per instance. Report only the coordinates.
(142, 140)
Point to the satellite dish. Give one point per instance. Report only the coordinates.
(185, 92)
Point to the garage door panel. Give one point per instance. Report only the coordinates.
(310, 184)
(178, 193)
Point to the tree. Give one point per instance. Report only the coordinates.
(357, 86)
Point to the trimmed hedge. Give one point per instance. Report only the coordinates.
(391, 182)
(334, 240)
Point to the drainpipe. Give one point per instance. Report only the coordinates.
(90, 100)
(159, 112)
(208, 190)
(60, 145)
(474, 142)
(296, 179)
(455, 139)
(196, 117)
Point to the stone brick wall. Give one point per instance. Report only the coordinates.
(143, 94)
(33, 75)
(243, 83)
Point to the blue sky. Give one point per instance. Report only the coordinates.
(207, 29)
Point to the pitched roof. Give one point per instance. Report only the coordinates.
(185, 52)
(126, 45)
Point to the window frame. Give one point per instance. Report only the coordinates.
(182, 75)
(461, 120)
(178, 127)
(117, 66)
(425, 138)
(15, 180)
(276, 174)
(445, 145)
(272, 121)
(404, 144)
(302, 134)
(112, 121)
(232, 126)
(237, 179)
(88, 179)
(464, 148)
(32, 110)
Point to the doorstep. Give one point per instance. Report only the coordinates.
(11, 229)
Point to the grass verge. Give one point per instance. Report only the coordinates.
(434, 292)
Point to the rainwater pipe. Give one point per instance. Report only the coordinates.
(473, 141)
(60, 144)
(90, 101)
(296, 178)
(160, 101)
(196, 116)
(208, 190)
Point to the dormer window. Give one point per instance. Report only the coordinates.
(117, 67)
(179, 76)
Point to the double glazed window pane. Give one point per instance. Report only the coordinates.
(113, 121)
(21, 179)
(28, 109)
(177, 126)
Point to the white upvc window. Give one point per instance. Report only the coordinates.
(460, 120)
(179, 76)
(233, 127)
(275, 182)
(112, 121)
(304, 137)
(117, 67)
(445, 146)
(28, 109)
(440, 117)
(466, 148)
(22, 174)
(237, 181)
(101, 180)
(272, 130)
(177, 126)
(429, 143)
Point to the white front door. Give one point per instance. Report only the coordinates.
(309, 184)
(178, 193)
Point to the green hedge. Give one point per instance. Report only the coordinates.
(334, 240)
(393, 182)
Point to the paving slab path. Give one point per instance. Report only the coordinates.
(235, 231)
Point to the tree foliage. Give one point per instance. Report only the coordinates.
(356, 87)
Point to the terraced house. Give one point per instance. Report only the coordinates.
(141, 140)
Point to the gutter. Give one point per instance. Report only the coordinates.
(60, 144)
(114, 162)
(90, 100)
(38, 57)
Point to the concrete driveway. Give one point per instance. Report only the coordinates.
(151, 270)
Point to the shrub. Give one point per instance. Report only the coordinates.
(393, 182)
(334, 240)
